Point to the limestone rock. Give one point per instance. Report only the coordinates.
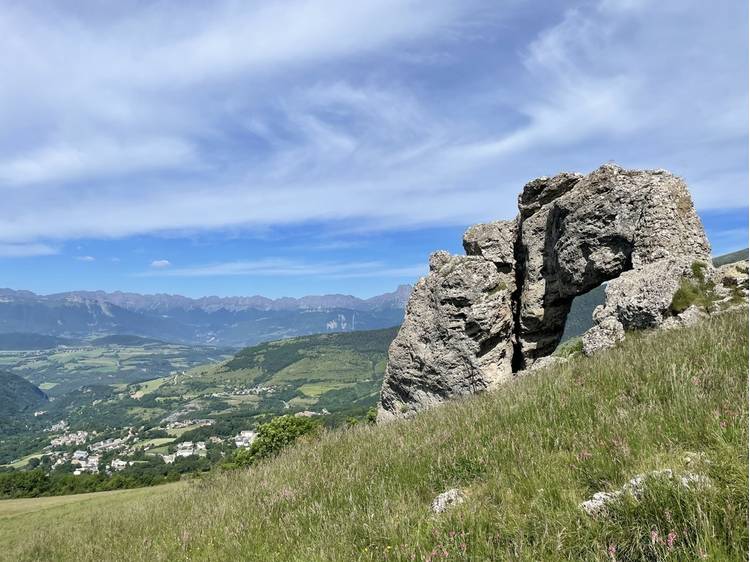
(600, 501)
(456, 338)
(476, 320)
(447, 499)
(494, 242)
(605, 334)
(594, 230)
(731, 284)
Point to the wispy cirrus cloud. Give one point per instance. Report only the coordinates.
(369, 115)
(26, 250)
(273, 267)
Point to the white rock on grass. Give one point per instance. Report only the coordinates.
(597, 505)
(447, 499)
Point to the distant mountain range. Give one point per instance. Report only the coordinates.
(234, 321)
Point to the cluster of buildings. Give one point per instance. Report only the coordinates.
(62, 425)
(244, 391)
(311, 414)
(188, 423)
(245, 438)
(76, 438)
(110, 444)
(119, 464)
(85, 462)
(186, 449)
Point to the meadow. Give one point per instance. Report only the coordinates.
(525, 457)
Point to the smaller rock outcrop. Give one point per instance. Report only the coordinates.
(456, 338)
(598, 504)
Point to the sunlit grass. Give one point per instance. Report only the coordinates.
(526, 456)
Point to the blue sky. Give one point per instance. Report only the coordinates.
(304, 147)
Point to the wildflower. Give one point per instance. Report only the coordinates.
(612, 551)
(584, 455)
(671, 538)
(655, 537)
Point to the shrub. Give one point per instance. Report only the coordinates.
(274, 436)
(570, 348)
(694, 291)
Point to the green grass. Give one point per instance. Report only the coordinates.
(315, 389)
(23, 461)
(526, 456)
(21, 517)
(155, 442)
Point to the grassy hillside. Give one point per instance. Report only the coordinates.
(24, 342)
(525, 456)
(17, 395)
(340, 371)
(731, 258)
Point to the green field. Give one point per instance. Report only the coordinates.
(60, 370)
(525, 456)
(23, 461)
(21, 517)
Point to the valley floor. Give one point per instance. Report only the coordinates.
(525, 457)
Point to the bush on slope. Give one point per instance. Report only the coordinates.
(526, 457)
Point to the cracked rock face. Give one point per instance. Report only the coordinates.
(477, 319)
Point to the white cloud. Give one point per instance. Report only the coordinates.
(290, 268)
(160, 264)
(86, 258)
(95, 158)
(26, 250)
(250, 115)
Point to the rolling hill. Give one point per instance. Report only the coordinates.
(18, 396)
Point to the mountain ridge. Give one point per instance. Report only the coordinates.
(212, 303)
(233, 321)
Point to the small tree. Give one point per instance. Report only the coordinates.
(276, 435)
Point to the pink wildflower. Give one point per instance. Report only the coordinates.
(671, 538)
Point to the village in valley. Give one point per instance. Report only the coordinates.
(81, 452)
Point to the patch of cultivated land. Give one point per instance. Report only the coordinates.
(65, 369)
(525, 457)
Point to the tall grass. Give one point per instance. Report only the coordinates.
(526, 456)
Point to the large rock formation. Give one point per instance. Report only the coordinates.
(477, 319)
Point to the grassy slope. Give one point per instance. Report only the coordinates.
(526, 457)
(18, 517)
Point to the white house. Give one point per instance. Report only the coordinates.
(244, 438)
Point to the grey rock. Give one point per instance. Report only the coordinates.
(692, 315)
(494, 242)
(447, 499)
(605, 334)
(732, 275)
(597, 505)
(456, 338)
(476, 320)
(605, 224)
